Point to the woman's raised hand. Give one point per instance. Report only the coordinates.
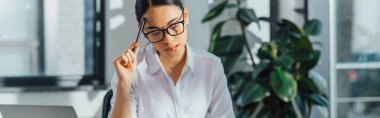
(125, 64)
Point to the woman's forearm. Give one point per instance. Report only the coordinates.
(122, 107)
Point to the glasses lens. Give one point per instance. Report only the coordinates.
(155, 36)
(176, 29)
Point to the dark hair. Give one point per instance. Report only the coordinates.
(142, 5)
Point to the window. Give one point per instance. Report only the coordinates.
(51, 42)
(355, 79)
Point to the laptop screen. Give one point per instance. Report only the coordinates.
(34, 111)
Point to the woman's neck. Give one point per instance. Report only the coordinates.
(173, 65)
(172, 61)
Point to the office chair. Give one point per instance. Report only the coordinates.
(106, 103)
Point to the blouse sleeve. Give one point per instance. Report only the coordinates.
(132, 96)
(221, 103)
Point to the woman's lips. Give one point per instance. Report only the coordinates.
(174, 48)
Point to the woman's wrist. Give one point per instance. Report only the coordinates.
(124, 85)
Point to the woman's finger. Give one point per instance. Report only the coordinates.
(125, 59)
(128, 55)
(136, 51)
(131, 54)
(133, 45)
(118, 61)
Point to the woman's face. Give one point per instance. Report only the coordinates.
(167, 17)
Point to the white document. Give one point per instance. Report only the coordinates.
(1, 116)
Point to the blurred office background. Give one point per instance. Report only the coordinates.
(60, 52)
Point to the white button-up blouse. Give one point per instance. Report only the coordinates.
(201, 91)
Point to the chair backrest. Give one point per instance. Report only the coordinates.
(106, 103)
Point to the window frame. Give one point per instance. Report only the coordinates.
(96, 78)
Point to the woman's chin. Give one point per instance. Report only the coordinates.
(174, 51)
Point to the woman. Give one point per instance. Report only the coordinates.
(168, 79)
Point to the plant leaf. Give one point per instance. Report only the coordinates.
(259, 68)
(307, 85)
(244, 113)
(265, 51)
(264, 113)
(254, 92)
(216, 32)
(291, 26)
(271, 21)
(282, 36)
(301, 104)
(236, 82)
(214, 12)
(246, 16)
(285, 61)
(228, 48)
(302, 44)
(319, 82)
(311, 63)
(232, 5)
(318, 100)
(312, 27)
(300, 11)
(245, 82)
(317, 43)
(283, 84)
(300, 55)
(289, 113)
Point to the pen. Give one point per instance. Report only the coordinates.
(138, 34)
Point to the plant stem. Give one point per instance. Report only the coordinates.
(306, 11)
(246, 40)
(258, 109)
(247, 44)
(296, 109)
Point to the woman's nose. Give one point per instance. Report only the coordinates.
(168, 38)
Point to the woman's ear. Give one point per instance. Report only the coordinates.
(186, 15)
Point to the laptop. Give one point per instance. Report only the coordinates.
(33, 111)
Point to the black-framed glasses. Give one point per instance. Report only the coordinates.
(173, 30)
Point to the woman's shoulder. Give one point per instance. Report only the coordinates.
(204, 55)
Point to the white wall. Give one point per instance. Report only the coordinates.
(286, 11)
(318, 9)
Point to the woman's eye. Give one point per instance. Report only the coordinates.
(155, 33)
(173, 26)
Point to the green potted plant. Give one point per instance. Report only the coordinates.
(282, 84)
